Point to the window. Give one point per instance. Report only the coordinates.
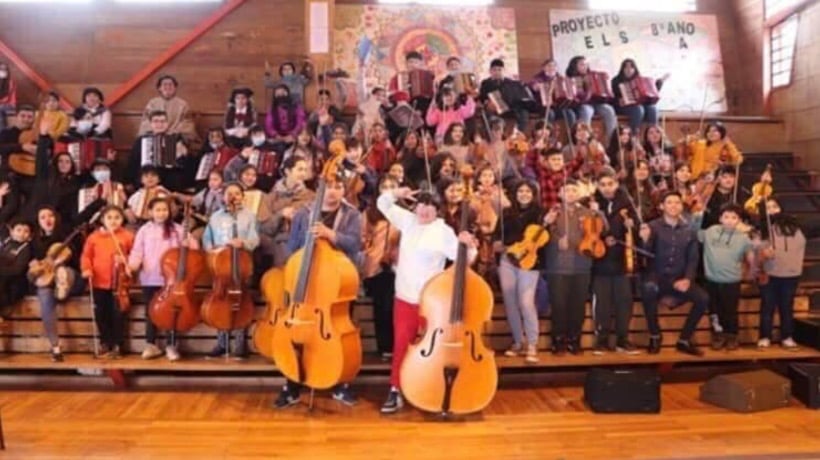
(644, 5)
(776, 7)
(783, 40)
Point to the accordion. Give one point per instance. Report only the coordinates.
(464, 83)
(404, 117)
(265, 162)
(564, 92)
(143, 199)
(213, 160)
(159, 150)
(347, 94)
(639, 90)
(86, 196)
(597, 84)
(518, 95)
(84, 152)
(252, 201)
(418, 83)
(497, 104)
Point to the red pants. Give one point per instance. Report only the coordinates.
(406, 322)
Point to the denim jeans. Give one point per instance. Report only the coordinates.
(777, 294)
(48, 308)
(518, 289)
(605, 111)
(652, 291)
(637, 114)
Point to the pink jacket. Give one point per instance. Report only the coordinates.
(443, 119)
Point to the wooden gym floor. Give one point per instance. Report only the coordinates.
(530, 419)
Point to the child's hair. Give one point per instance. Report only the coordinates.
(217, 172)
(291, 161)
(168, 225)
(413, 55)
(149, 170)
(479, 171)
(448, 134)
(607, 172)
(287, 64)
(236, 185)
(352, 143)
(113, 208)
(21, 221)
(727, 170)
(453, 59)
(551, 152)
(720, 127)
(732, 208)
(157, 113)
(669, 193)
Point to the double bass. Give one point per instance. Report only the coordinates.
(176, 307)
(450, 370)
(273, 290)
(229, 305)
(315, 342)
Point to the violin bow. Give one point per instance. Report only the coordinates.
(563, 200)
(737, 182)
(702, 110)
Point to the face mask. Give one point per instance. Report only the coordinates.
(279, 100)
(3, 74)
(84, 126)
(101, 175)
(258, 141)
(214, 145)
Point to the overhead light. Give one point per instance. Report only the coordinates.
(439, 2)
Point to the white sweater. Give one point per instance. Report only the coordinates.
(423, 249)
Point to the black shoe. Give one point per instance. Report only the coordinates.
(56, 355)
(393, 403)
(559, 346)
(343, 394)
(216, 352)
(286, 398)
(240, 354)
(626, 347)
(731, 342)
(654, 345)
(718, 341)
(574, 346)
(601, 345)
(685, 346)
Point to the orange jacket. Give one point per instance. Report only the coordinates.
(99, 253)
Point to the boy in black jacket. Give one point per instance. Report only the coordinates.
(15, 254)
(612, 293)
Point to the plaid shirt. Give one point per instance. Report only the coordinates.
(551, 181)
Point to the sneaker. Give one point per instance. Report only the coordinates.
(286, 398)
(654, 345)
(718, 341)
(685, 346)
(387, 357)
(789, 344)
(171, 353)
(56, 355)
(114, 353)
(626, 347)
(151, 351)
(731, 342)
(102, 351)
(559, 346)
(515, 350)
(764, 343)
(343, 394)
(532, 354)
(216, 352)
(393, 403)
(715, 321)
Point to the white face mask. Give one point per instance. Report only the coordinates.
(3, 74)
(84, 126)
(258, 140)
(102, 175)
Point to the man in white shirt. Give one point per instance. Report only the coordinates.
(426, 244)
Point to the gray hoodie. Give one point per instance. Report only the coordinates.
(788, 254)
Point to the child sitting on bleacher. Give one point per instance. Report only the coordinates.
(15, 254)
(138, 211)
(783, 248)
(725, 246)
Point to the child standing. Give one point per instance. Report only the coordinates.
(15, 254)
(724, 247)
(784, 248)
(104, 250)
(152, 241)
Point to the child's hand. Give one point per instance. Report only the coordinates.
(86, 274)
(563, 243)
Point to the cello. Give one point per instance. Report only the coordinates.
(229, 305)
(176, 307)
(315, 342)
(450, 370)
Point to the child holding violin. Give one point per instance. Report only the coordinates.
(712, 151)
(624, 150)
(219, 234)
(782, 250)
(552, 173)
(426, 244)
(153, 239)
(103, 264)
(611, 289)
(568, 269)
(723, 193)
(519, 282)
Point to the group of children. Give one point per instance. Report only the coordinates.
(649, 195)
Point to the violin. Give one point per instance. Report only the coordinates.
(591, 244)
(176, 307)
(121, 285)
(229, 305)
(523, 254)
(703, 190)
(629, 245)
(761, 191)
(315, 342)
(450, 370)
